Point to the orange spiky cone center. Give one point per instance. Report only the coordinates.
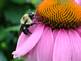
(60, 15)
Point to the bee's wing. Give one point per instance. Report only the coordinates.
(21, 20)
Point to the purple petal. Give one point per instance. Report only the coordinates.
(45, 46)
(78, 2)
(62, 47)
(55, 32)
(30, 42)
(79, 31)
(43, 50)
(21, 40)
(76, 45)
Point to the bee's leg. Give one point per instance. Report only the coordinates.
(33, 24)
(27, 32)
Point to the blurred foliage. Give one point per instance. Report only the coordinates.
(10, 13)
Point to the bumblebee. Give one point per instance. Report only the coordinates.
(26, 22)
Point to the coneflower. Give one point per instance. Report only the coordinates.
(58, 35)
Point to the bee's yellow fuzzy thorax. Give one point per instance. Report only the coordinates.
(66, 14)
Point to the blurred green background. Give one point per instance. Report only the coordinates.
(10, 13)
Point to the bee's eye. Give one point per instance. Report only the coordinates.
(78, 2)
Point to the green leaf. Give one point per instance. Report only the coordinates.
(19, 1)
(2, 4)
(2, 57)
(13, 14)
(20, 59)
(4, 32)
(35, 2)
(14, 28)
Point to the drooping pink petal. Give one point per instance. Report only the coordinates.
(43, 50)
(30, 42)
(31, 56)
(76, 45)
(62, 47)
(23, 37)
(21, 40)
